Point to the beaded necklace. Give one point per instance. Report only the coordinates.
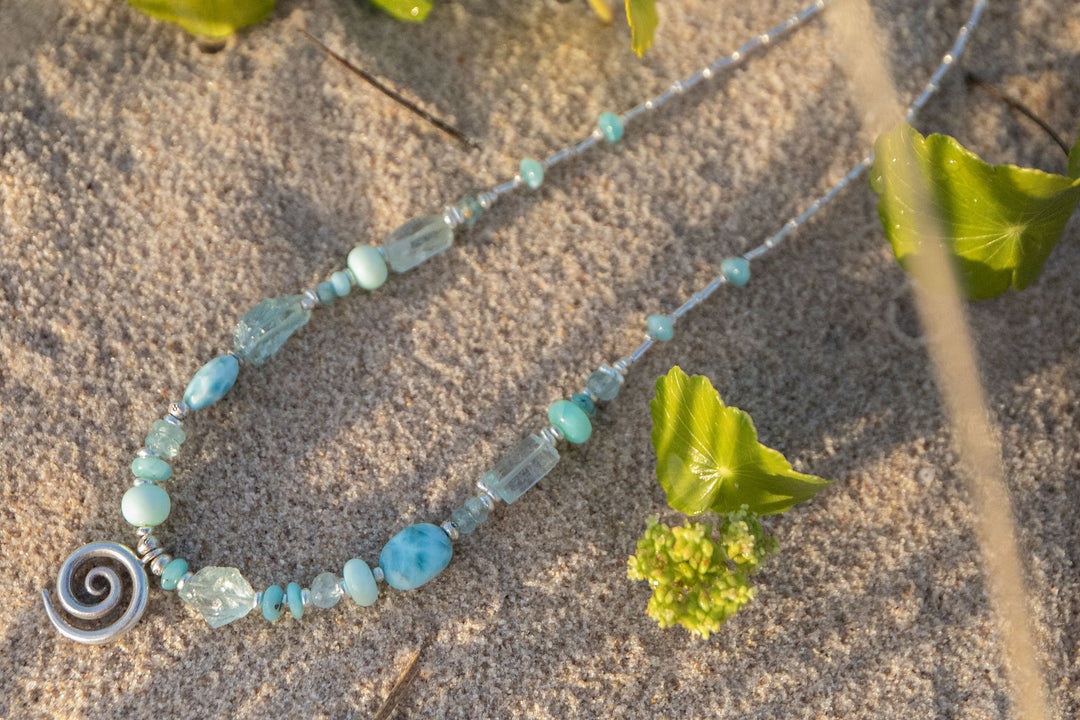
(420, 552)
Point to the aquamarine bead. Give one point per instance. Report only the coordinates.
(341, 283)
(611, 126)
(295, 595)
(415, 555)
(271, 603)
(165, 439)
(325, 291)
(477, 508)
(145, 505)
(571, 420)
(151, 468)
(736, 270)
(172, 573)
(585, 403)
(368, 266)
(660, 328)
(416, 241)
(211, 382)
(220, 594)
(604, 384)
(470, 209)
(360, 583)
(463, 521)
(532, 173)
(521, 468)
(324, 592)
(264, 329)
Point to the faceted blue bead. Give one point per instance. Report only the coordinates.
(585, 403)
(532, 173)
(611, 126)
(295, 595)
(736, 270)
(264, 329)
(660, 327)
(463, 520)
(211, 382)
(341, 283)
(326, 293)
(415, 555)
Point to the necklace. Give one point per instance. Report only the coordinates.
(420, 552)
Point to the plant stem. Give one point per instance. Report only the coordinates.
(1020, 107)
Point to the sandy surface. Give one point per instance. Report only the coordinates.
(149, 194)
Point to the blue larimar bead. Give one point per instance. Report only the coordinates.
(272, 604)
(295, 595)
(367, 265)
(172, 573)
(341, 283)
(211, 382)
(145, 505)
(151, 468)
(571, 420)
(611, 126)
(660, 328)
(532, 173)
(264, 329)
(415, 555)
(326, 293)
(360, 583)
(585, 403)
(736, 270)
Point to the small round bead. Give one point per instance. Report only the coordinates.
(470, 209)
(611, 126)
(463, 522)
(377, 573)
(450, 529)
(532, 173)
(296, 600)
(360, 582)
(325, 592)
(309, 299)
(604, 384)
(736, 270)
(146, 544)
(145, 505)
(570, 420)
(272, 603)
(151, 468)
(585, 403)
(326, 293)
(172, 573)
(160, 563)
(478, 509)
(341, 283)
(660, 328)
(153, 555)
(368, 266)
(178, 410)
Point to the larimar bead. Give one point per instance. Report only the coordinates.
(145, 505)
(532, 173)
(736, 270)
(463, 520)
(660, 327)
(360, 582)
(604, 384)
(415, 555)
(220, 594)
(521, 468)
(470, 209)
(295, 595)
(264, 329)
(325, 592)
(341, 283)
(165, 439)
(611, 126)
(585, 403)
(571, 420)
(272, 604)
(172, 573)
(416, 241)
(151, 468)
(326, 293)
(367, 265)
(211, 382)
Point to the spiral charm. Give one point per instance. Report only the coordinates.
(112, 592)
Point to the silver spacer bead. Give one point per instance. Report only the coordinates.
(183, 581)
(706, 73)
(304, 599)
(452, 216)
(142, 481)
(311, 299)
(146, 544)
(158, 565)
(377, 573)
(486, 199)
(179, 410)
(152, 555)
(173, 421)
(677, 86)
(622, 367)
(258, 600)
(488, 502)
(342, 590)
(145, 453)
(144, 531)
(487, 491)
(450, 528)
(551, 434)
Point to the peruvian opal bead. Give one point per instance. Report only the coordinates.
(415, 555)
(360, 583)
(172, 573)
(295, 595)
(341, 283)
(571, 420)
(585, 403)
(416, 241)
(326, 293)
(736, 270)
(271, 603)
(368, 266)
(611, 126)
(660, 328)
(145, 505)
(211, 382)
(532, 173)
(151, 468)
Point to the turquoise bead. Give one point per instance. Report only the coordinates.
(415, 555)
(571, 420)
(341, 283)
(360, 583)
(212, 382)
(151, 468)
(611, 126)
(585, 403)
(660, 328)
(532, 173)
(367, 265)
(145, 505)
(326, 293)
(295, 595)
(172, 573)
(736, 270)
(271, 603)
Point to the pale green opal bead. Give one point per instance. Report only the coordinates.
(172, 573)
(521, 468)
(532, 173)
(571, 420)
(145, 505)
(219, 594)
(736, 270)
(368, 266)
(151, 468)
(211, 382)
(415, 555)
(324, 592)
(264, 329)
(603, 384)
(341, 283)
(611, 126)
(660, 328)
(360, 582)
(271, 603)
(416, 241)
(295, 595)
(326, 293)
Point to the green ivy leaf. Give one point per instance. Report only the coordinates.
(213, 19)
(708, 456)
(1000, 222)
(643, 22)
(411, 10)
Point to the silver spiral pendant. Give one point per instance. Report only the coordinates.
(104, 585)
